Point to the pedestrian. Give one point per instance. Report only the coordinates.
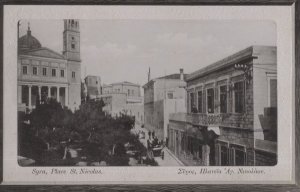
(148, 144)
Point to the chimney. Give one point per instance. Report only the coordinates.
(181, 74)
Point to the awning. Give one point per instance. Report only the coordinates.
(216, 130)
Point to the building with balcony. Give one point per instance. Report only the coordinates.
(231, 117)
(163, 96)
(44, 73)
(123, 97)
(92, 86)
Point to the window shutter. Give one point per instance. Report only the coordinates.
(217, 101)
(231, 156)
(217, 154)
(204, 101)
(245, 157)
(188, 103)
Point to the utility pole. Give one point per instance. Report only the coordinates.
(19, 23)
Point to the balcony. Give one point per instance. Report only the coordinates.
(211, 120)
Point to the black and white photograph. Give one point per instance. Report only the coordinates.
(100, 92)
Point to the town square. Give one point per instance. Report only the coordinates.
(146, 93)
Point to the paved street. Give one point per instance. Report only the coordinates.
(169, 158)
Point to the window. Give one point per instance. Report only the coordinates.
(210, 100)
(72, 38)
(62, 73)
(240, 157)
(273, 92)
(44, 71)
(224, 156)
(192, 103)
(34, 70)
(239, 97)
(25, 70)
(200, 102)
(170, 95)
(128, 92)
(190, 145)
(73, 45)
(223, 99)
(73, 74)
(53, 72)
(200, 152)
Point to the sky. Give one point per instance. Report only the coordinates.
(124, 50)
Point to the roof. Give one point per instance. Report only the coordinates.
(43, 52)
(94, 76)
(125, 83)
(175, 76)
(28, 41)
(29, 45)
(243, 55)
(172, 76)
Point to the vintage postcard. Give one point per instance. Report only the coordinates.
(148, 94)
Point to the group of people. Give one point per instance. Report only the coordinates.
(153, 140)
(154, 146)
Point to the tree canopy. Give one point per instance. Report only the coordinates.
(101, 136)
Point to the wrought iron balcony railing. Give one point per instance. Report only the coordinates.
(204, 119)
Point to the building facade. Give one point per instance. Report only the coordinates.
(92, 86)
(163, 96)
(123, 98)
(231, 117)
(44, 73)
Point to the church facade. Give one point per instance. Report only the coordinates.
(44, 73)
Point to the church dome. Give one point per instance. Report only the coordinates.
(27, 42)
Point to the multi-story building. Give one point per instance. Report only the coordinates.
(92, 86)
(162, 96)
(44, 73)
(231, 114)
(123, 97)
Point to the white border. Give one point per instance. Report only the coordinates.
(283, 16)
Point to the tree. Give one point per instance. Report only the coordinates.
(49, 119)
(100, 136)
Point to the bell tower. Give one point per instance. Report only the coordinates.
(71, 51)
(71, 38)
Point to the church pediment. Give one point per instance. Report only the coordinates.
(44, 52)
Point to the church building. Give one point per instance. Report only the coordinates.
(44, 73)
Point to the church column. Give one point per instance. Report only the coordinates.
(40, 95)
(49, 92)
(66, 96)
(29, 96)
(57, 94)
(19, 93)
